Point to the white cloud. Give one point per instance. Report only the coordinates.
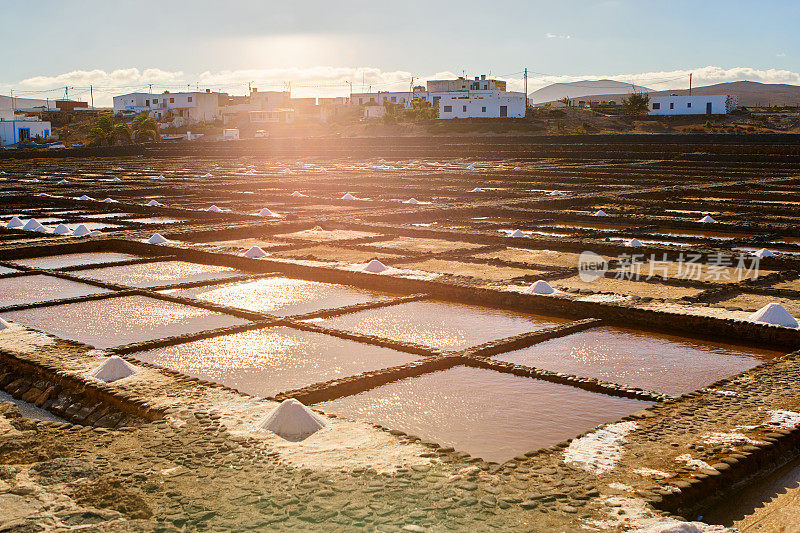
(549, 35)
(780, 54)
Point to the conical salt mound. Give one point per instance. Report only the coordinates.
(207, 175)
(375, 266)
(32, 224)
(707, 219)
(116, 179)
(292, 421)
(108, 201)
(214, 208)
(61, 229)
(15, 222)
(112, 369)
(298, 194)
(600, 213)
(775, 314)
(556, 193)
(476, 189)
(157, 238)
(84, 197)
(635, 243)
(348, 196)
(267, 213)
(81, 230)
(4, 324)
(411, 201)
(541, 287)
(62, 182)
(255, 252)
(153, 203)
(517, 234)
(762, 253)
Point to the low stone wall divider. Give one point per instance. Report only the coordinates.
(64, 301)
(525, 340)
(328, 313)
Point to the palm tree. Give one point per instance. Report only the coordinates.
(566, 101)
(145, 128)
(105, 132)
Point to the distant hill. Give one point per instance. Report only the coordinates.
(750, 93)
(577, 89)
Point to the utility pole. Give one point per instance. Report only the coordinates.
(690, 84)
(13, 107)
(151, 89)
(66, 93)
(91, 96)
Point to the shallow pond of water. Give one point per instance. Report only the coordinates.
(154, 220)
(123, 320)
(653, 361)
(281, 296)
(41, 288)
(268, 361)
(485, 413)
(444, 325)
(159, 273)
(68, 260)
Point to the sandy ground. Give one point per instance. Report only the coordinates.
(627, 287)
(537, 257)
(322, 235)
(791, 285)
(333, 253)
(780, 515)
(245, 244)
(756, 301)
(475, 270)
(417, 244)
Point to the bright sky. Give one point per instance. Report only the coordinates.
(319, 45)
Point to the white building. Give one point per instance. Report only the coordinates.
(717, 104)
(16, 128)
(178, 108)
(482, 104)
(480, 83)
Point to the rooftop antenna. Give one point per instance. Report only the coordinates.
(690, 84)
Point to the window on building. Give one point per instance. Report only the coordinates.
(171, 100)
(656, 106)
(371, 100)
(483, 109)
(155, 100)
(689, 104)
(394, 99)
(46, 133)
(464, 108)
(672, 105)
(147, 102)
(448, 109)
(190, 98)
(360, 100)
(503, 110)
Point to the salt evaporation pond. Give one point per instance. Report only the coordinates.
(485, 413)
(268, 361)
(7, 270)
(154, 220)
(159, 273)
(41, 288)
(68, 260)
(444, 325)
(652, 361)
(281, 296)
(122, 320)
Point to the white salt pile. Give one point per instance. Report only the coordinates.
(32, 225)
(634, 242)
(476, 189)
(62, 182)
(108, 201)
(157, 238)
(112, 369)
(61, 229)
(4, 324)
(411, 201)
(116, 179)
(81, 230)
(600, 213)
(15, 222)
(317, 228)
(292, 421)
(541, 287)
(85, 198)
(298, 194)
(255, 252)
(214, 208)
(267, 213)
(95, 233)
(517, 234)
(154, 203)
(556, 193)
(206, 175)
(348, 196)
(375, 266)
(762, 253)
(707, 220)
(775, 314)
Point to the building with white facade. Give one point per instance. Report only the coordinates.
(480, 83)
(178, 108)
(15, 128)
(717, 104)
(482, 104)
